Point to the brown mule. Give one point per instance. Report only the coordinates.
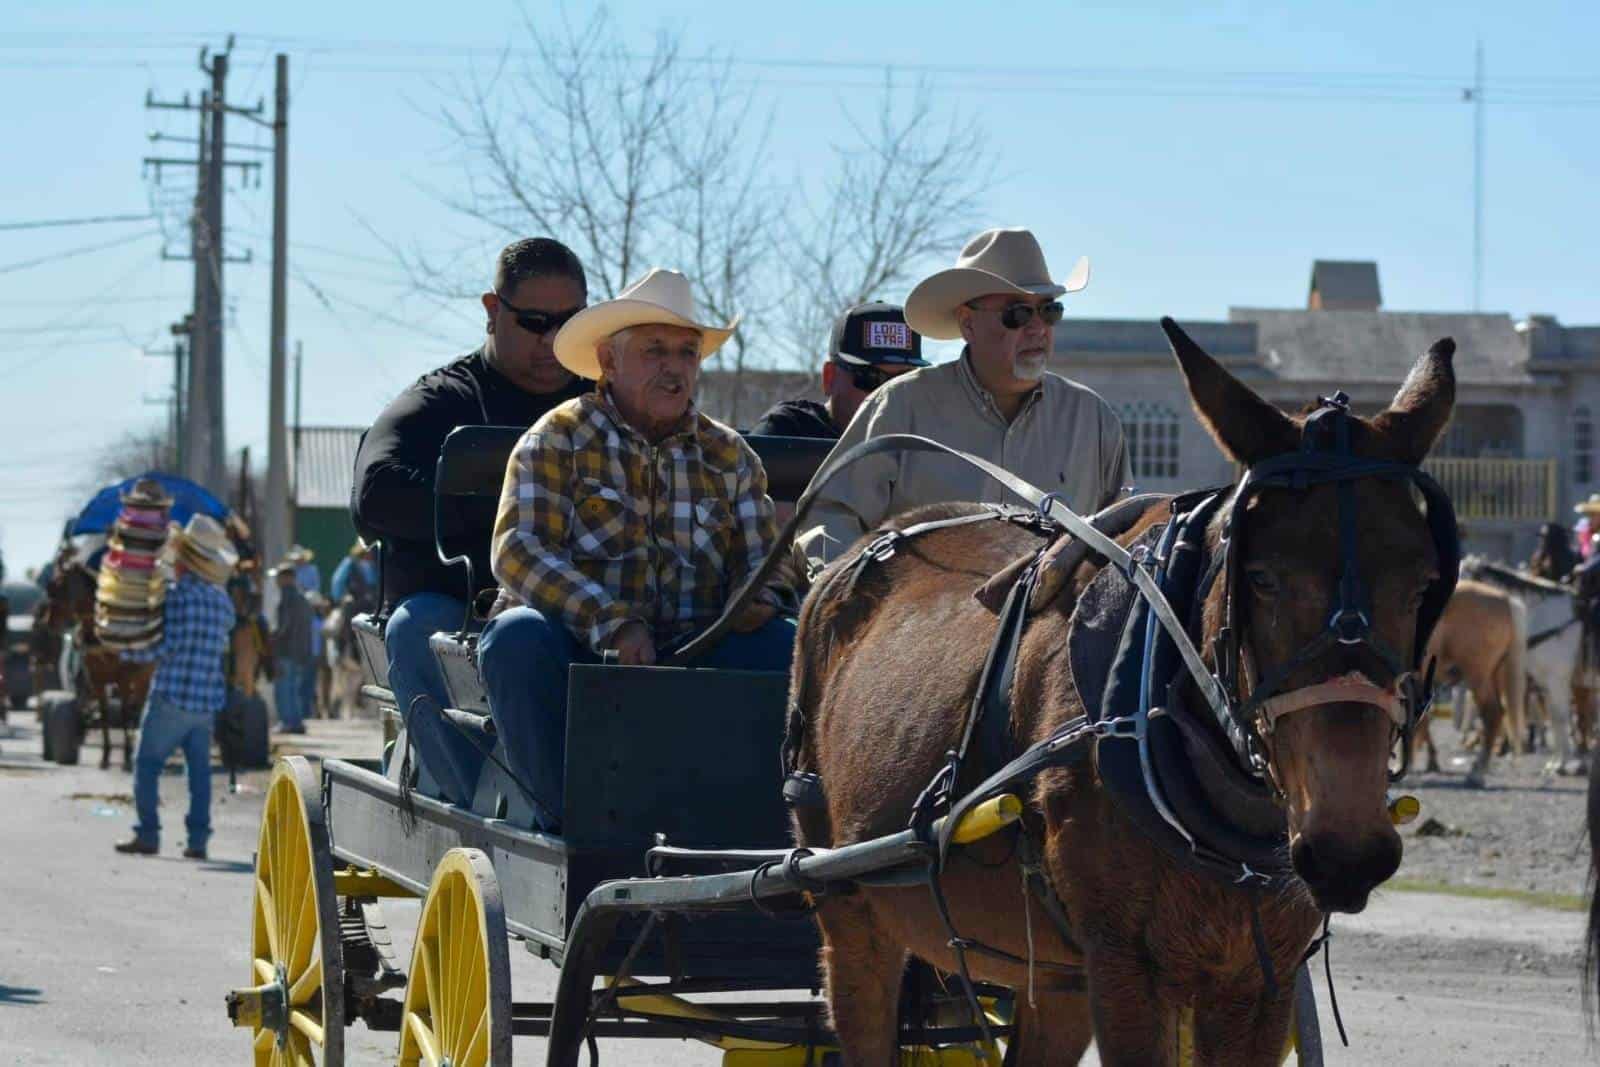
(882, 680)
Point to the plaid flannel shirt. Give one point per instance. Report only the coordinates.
(597, 526)
(198, 617)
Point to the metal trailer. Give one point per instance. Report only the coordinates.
(673, 880)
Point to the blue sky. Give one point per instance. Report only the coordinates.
(1201, 155)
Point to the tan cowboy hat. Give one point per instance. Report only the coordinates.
(662, 297)
(995, 261)
(204, 548)
(1590, 506)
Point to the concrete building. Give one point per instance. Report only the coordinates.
(1520, 450)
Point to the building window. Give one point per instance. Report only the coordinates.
(1151, 431)
(1582, 445)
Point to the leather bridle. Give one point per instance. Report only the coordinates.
(1257, 704)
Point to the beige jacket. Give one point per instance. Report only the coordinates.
(1065, 440)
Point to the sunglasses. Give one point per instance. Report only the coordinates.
(540, 322)
(865, 379)
(1016, 316)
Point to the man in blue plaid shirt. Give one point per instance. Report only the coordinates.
(188, 688)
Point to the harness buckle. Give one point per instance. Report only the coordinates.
(1350, 626)
(1129, 726)
(882, 547)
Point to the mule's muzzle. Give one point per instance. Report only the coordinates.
(1343, 871)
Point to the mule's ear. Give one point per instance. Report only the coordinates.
(1245, 427)
(1417, 415)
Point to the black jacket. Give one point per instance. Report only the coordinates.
(392, 494)
(797, 418)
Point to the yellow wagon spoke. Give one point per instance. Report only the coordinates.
(263, 969)
(264, 898)
(306, 986)
(307, 1025)
(423, 1036)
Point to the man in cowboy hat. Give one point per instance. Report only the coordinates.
(510, 380)
(870, 345)
(188, 688)
(997, 401)
(627, 520)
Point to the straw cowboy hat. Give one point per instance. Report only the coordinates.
(146, 493)
(1590, 506)
(204, 548)
(995, 261)
(660, 298)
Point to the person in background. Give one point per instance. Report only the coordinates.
(356, 577)
(291, 650)
(188, 688)
(870, 345)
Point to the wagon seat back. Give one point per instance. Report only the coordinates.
(472, 464)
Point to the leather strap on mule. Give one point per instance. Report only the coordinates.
(1048, 504)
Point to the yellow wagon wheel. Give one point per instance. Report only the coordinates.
(295, 1008)
(458, 995)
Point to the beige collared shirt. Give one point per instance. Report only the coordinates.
(1065, 439)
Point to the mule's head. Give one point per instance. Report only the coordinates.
(1329, 760)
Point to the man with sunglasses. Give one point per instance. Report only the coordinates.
(997, 401)
(870, 344)
(512, 379)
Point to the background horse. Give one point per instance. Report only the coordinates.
(1554, 640)
(889, 658)
(1481, 641)
(103, 673)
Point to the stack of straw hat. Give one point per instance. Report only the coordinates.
(132, 587)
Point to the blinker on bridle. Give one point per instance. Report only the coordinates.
(1325, 458)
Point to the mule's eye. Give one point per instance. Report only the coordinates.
(1263, 581)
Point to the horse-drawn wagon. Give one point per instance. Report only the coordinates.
(674, 875)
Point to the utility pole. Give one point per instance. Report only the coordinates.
(203, 436)
(298, 361)
(275, 517)
(196, 432)
(213, 463)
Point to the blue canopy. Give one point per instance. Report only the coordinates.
(187, 499)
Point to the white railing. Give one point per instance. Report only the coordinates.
(1514, 490)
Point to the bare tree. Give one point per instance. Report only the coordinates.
(134, 453)
(908, 187)
(658, 157)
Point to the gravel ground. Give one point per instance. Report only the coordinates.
(1523, 831)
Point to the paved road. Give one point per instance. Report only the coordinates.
(106, 959)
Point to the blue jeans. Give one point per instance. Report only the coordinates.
(289, 692)
(413, 672)
(164, 729)
(523, 657)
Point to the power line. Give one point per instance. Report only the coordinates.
(91, 221)
(80, 251)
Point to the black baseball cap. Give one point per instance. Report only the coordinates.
(875, 335)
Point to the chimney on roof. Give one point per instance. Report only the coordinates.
(1344, 285)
